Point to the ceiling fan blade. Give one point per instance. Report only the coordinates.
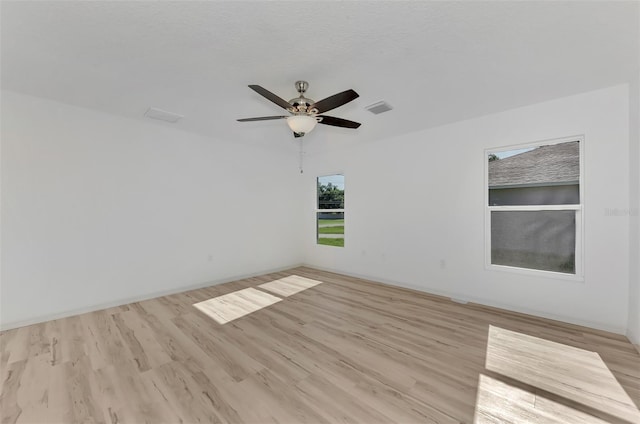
(338, 122)
(270, 96)
(262, 118)
(335, 101)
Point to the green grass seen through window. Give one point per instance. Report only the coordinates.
(330, 221)
(331, 230)
(331, 241)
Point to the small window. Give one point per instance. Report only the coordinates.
(534, 207)
(330, 210)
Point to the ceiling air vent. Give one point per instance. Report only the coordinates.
(379, 107)
(162, 115)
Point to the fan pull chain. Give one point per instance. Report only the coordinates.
(301, 157)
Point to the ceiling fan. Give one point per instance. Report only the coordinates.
(305, 113)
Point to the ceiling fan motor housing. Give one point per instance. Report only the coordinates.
(301, 104)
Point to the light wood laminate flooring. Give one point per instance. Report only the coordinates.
(306, 346)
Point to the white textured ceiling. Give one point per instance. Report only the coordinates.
(434, 62)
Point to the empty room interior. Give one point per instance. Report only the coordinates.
(320, 212)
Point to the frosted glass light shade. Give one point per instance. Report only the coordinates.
(301, 123)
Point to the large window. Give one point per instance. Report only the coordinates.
(330, 210)
(534, 207)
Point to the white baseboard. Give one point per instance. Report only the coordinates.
(458, 297)
(97, 307)
(454, 296)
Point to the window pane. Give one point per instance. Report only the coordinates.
(543, 175)
(543, 240)
(331, 192)
(330, 228)
(550, 195)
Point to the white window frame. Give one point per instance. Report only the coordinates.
(327, 210)
(578, 208)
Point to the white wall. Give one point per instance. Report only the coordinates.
(633, 326)
(99, 210)
(418, 199)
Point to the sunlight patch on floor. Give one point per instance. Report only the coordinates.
(231, 306)
(566, 371)
(290, 285)
(235, 305)
(498, 402)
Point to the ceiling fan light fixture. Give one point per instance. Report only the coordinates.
(301, 123)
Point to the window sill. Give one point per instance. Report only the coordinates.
(536, 273)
